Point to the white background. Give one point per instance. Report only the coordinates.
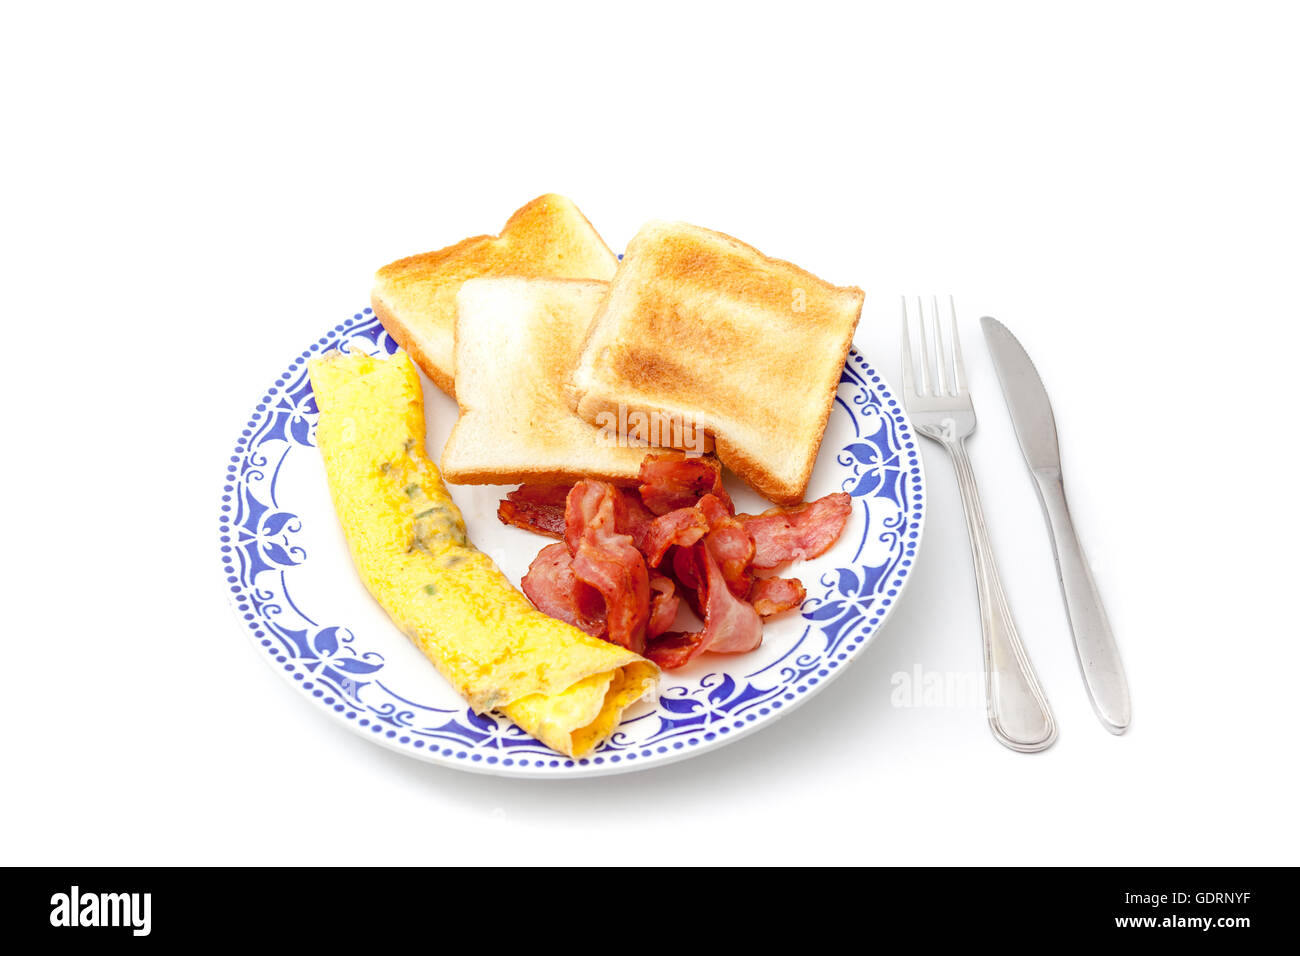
(190, 198)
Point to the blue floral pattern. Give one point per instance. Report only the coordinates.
(261, 555)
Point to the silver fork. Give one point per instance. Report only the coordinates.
(941, 410)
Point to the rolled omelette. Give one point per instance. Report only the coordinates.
(408, 541)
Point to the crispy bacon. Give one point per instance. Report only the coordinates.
(544, 519)
(663, 604)
(540, 508)
(671, 480)
(537, 508)
(630, 557)
(674, 650)
(774, 595)
(729, 543)
(555, 495)
(688, 567)
(608, 561)
(684, 526)
(583, 508)
(805, 531)
(715, 510)
(554, 589)
(633, 517)
(731, 625)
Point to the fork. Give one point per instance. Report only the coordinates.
(941, 410)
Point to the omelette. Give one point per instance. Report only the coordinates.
(409, 544)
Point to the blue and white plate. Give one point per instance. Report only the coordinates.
(298, 598)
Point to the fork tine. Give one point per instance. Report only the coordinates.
(907, 354)
(925, 349)
(940, 356)
(959, 367)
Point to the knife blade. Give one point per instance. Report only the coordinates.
(1035, 425)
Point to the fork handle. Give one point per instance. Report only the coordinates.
(1019, 715)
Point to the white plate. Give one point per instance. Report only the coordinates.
(292, 583)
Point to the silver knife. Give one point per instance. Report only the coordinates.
(1031, 413)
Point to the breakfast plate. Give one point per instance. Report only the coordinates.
(290, 581)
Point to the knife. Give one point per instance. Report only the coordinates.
(1031, 413)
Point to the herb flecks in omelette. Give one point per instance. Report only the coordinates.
(437, 527)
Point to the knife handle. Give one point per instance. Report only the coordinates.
(1019, 715)
(1103, 672)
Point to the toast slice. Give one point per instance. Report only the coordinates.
(517, 341)
(704, 327)
(415, 298)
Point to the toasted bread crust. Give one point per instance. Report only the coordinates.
(411, 345)
(414, 297)
(539, 476)
(750, 348)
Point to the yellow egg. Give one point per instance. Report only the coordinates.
(408, 542)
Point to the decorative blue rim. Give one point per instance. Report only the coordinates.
(844, 609)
